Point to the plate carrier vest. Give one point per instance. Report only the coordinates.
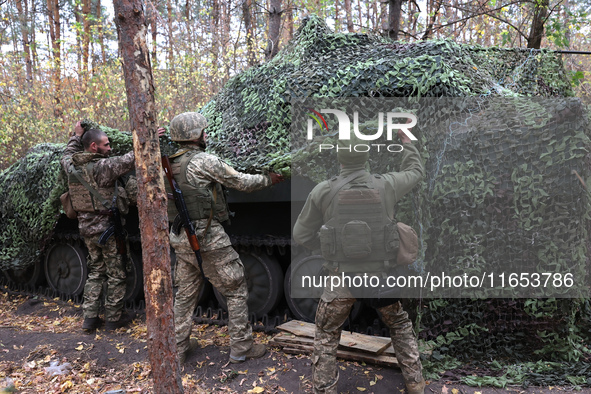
(200, 200)
(82, 198)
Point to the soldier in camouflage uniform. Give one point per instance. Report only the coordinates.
(335, 305)
(88, 153)
(201, 176)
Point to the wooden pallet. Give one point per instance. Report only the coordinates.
(298, 338)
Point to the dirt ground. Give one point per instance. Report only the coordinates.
(36, 334)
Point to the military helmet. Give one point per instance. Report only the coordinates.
(187, 126)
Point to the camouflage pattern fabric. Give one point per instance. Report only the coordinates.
(335, 305)
(206, 168)
(220, 261)
(187, 126)
(226, 272)
(330, 317)
(105, 172)
(104, 265)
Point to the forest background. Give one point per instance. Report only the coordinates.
(59, 60)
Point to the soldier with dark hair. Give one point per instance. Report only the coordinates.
(326, 206)
(201, 176)
(92, 180)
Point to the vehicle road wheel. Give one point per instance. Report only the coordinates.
(65, 268)
(31, 276)
(305, 308)
(264, 279)
(302, 308)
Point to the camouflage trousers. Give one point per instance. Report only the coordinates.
(330, 317)
(104, 266)
(226, 273)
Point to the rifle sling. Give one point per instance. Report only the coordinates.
(91, 189)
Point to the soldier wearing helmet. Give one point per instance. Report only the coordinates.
(201, 176)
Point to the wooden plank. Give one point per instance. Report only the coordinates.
(348, 355)
(284, 340)
(367, 343)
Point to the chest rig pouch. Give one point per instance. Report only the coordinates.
(87, 196)
(202, 202)
(359, 234)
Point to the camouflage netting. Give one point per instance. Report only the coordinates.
(500, 189)
(250, 118)
(28, 214)
(465, 212)
(29, 197)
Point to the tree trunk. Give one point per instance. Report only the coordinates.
(101, 34)
(154, 29)
(226, 18)
(434, 11)
(215, 41)
(274, 29)
(359, 12)
(137, 70)
(288, 31)
(566, 19)
(384, 16)
(33, 38)
(536, 32)
(349, 14)
(337, 17)
(375, 17)
(85, 34)
(248, 25)
(170, 38)
(189, 27)
(24, 15)
(53, 16)
(78, 19)
(394, 10)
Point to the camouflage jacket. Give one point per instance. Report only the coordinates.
(313, 216)
(106, 171)
(203, 171)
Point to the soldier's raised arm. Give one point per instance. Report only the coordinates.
(74, 146)
(411, 169)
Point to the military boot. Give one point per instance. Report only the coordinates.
(92, 323)
(256, 351)
(123, 321)
(193, 345)
(415, 388)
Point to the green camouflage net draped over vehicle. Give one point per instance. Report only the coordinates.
(463, 211)
(497, 187)
(29, 197)
(249, 120)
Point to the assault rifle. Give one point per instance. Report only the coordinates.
(116, 228)
(183, 215)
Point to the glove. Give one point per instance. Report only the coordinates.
(276, 178)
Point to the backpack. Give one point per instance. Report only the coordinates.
(359, 229)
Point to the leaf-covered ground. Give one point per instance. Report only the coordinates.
(43, 350)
